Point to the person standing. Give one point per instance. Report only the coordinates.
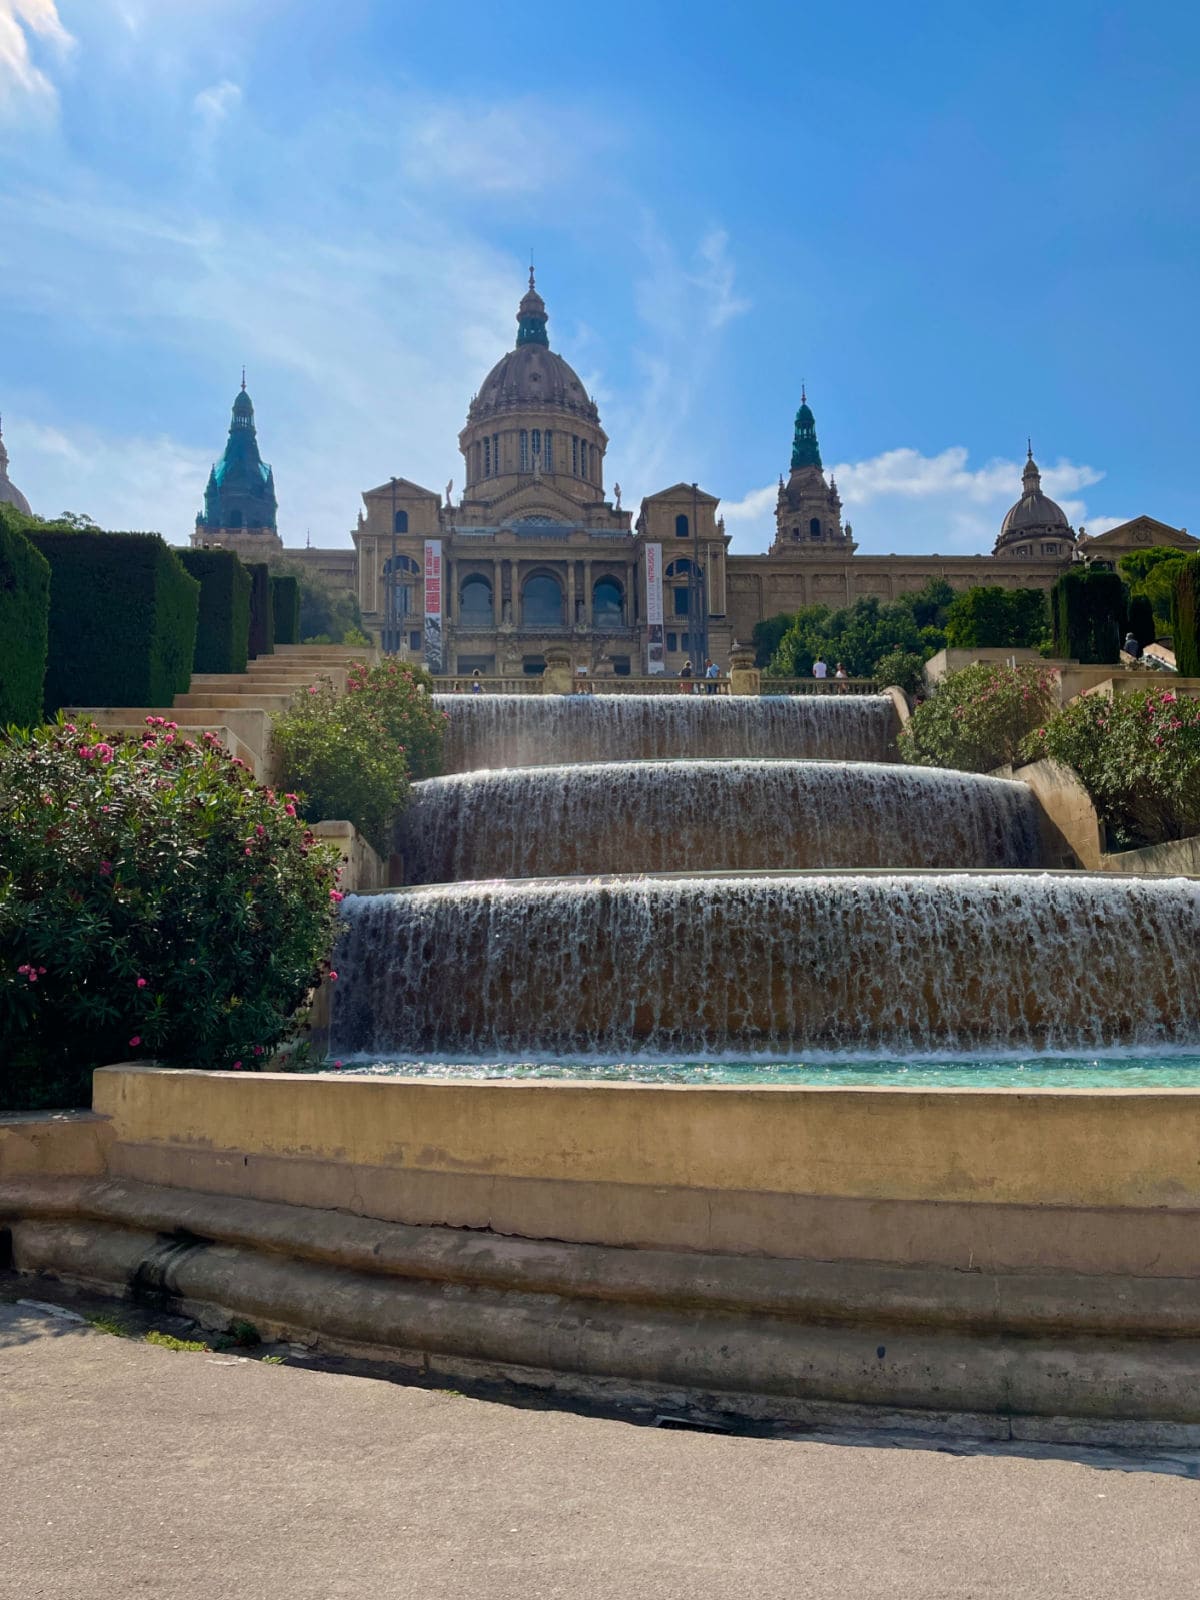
(843, 676)
(820, 669)
(711, 673)
(685, 677)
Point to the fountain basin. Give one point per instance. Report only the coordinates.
(727, 965)
(517, 730)
(712, 816)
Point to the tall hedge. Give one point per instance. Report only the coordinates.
(223, 626)
(1088, 606)
(123, 614)
(262, 609)
(1141, 619)
(1185, 618)
(24, 619)
(285, 598)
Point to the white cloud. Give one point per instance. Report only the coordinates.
(139, 484)
(904, 501)
(520, 147)
(214, 104)
(21, 81)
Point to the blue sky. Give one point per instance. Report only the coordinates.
(959, 225)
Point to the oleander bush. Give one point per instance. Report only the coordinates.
(977, 719)
(122, 625)
(154, 902)
(223, 624)
(352, 756)
(1138, 757)
(24, 624)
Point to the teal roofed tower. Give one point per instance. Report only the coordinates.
(241, 486)
(805, 450)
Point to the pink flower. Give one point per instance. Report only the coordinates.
(247, 851)
(337, 1066)
(106, 869)
(141, 983)
(69, 727)
(336, 894)
(104, 751)
(136, 1040)
(332, 976)
(290, 809)
(84, 752)
(237, 1066)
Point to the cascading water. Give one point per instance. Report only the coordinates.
(709, 816)
(723, 964)
(517, 730)
(689, 966)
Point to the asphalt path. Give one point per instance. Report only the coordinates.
(129, 1470)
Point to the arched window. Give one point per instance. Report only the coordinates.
(542, 602)
(678, 575)
(548, 452)
(583, 458)
(814, 528)
(407, 573)
(682, 530)
(475, 602)
(524, 451)
(681, 568)
(537, 441)
(487, 458)
(608, 610)
(400, 522)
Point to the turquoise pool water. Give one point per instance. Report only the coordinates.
(1116, 1071)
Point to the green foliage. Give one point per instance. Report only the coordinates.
(334, 616)
(154, 901)
(24, 623)
(994, 618)
(858, 635)
(350, 756)
(1185, 617)
(285, 600)
(767, 635)
(976, 719)
(122, 626)
(168, 1341)
(1088, 606)
(1151, 574)
(1141, 620)
(223, 627)
(1138, 757)
(262, 610)
(903, 668)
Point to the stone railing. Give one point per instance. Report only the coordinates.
(828, 685)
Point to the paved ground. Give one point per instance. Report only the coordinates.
(129, 1470)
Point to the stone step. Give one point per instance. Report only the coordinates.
(222, 700)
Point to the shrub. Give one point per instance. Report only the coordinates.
(1137, 756)
(285, 601)
(223, 625)
(976, 719)
(1185, 617)
(154, 901)
(1141, 620)
(993, 618)
(341, 760)
(398, 693)
(122, 628)
(262, 610)
(904, 669)
(1088, 607)
(24, 617)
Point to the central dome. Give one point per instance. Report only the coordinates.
(531, 376)
(1034, 515)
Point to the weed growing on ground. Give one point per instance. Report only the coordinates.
(168, 1341)
(105, 1322)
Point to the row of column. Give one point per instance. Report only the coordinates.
(505, 600)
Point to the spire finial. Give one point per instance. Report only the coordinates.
(1029, 448)
(803, 394)
(531, 282)
(243, 379)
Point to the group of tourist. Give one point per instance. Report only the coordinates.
(820, 670)
(688, 677)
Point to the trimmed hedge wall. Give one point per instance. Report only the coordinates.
(122, 618)
(24, 623)
(1088, 606)
(285, 597)
(1141, 620)
(223, 628)
(1185, 618)
(262, 609)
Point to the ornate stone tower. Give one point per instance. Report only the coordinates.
(239, 501)
(9, 493)
(808, 513)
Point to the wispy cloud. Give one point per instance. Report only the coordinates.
(141, 483)
(902, 500)
(214, 104)
(22, 83)
(513, 148)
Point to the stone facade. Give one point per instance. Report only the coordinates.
(535, 557)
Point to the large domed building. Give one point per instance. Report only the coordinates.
(534, 557)
(10, 495)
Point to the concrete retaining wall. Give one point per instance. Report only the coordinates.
(1177, 856)
(1072, 834)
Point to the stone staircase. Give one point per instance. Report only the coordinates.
(238, 707)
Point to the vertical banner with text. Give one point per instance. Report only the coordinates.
(433, 605)
(654, 611)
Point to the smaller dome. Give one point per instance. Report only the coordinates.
(10, 495)
(1034, 514)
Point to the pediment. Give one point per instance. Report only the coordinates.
(536, 500)
(682, 491)
(406, 489)
(1144, 533)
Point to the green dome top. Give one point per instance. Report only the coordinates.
(805, 450)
